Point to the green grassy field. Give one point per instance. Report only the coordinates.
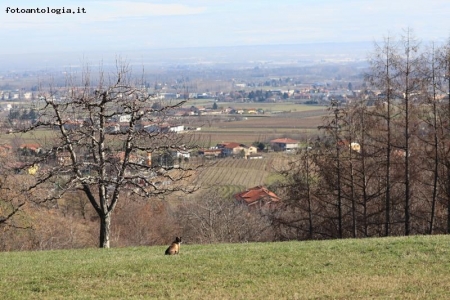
(415, 267)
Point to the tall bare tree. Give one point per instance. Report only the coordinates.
(444, 86)
(431, 137)
(410, 82)
(105, 132)
(335, 121)
(381, 76)
(297, 215)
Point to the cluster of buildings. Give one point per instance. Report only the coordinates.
(232, 149)
(11, 95)
(255, 198)
(209, 111)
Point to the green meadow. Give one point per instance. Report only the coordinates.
(416, 267)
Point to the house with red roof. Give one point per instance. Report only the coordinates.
(236, 149)
(30, 148)
(257, 196)
(210, 153)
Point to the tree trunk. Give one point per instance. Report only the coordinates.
(448, 196)
(435, 147)
(448, 119)
(105, 223)
(338, 161)
(309, 196)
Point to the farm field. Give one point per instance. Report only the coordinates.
(229, 176)
(268, 107)
(263, 128)
(236, 172)
(415, 267)
(294, 121)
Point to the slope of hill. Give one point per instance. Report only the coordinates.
(416, 267)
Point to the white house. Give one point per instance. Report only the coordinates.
(183, 154)
(177, 129)
(285, 144)
(124, 118)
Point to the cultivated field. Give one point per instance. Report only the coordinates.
(233, 175)
(268, 107)
(262, 128)
(280, 120)
(240, 172)
(415, 267)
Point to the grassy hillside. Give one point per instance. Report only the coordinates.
(400, 268)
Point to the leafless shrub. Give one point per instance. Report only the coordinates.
(214, 219)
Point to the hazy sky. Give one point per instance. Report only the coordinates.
(124, 25)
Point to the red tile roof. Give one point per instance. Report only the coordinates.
(232, 145)
(284, 141)
(31, 146)
(229, 145)
(257, 194)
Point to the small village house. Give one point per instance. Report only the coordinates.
(257, 197)
(236, 149)
(284, 144)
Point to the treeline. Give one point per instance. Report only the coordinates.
(378, 170)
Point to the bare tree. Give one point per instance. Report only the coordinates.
(105, 133)
(215, 218)
(298, 216)
(431, 136)
(409, 81)
(381, 76)
(444, 86)
(333, 128)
